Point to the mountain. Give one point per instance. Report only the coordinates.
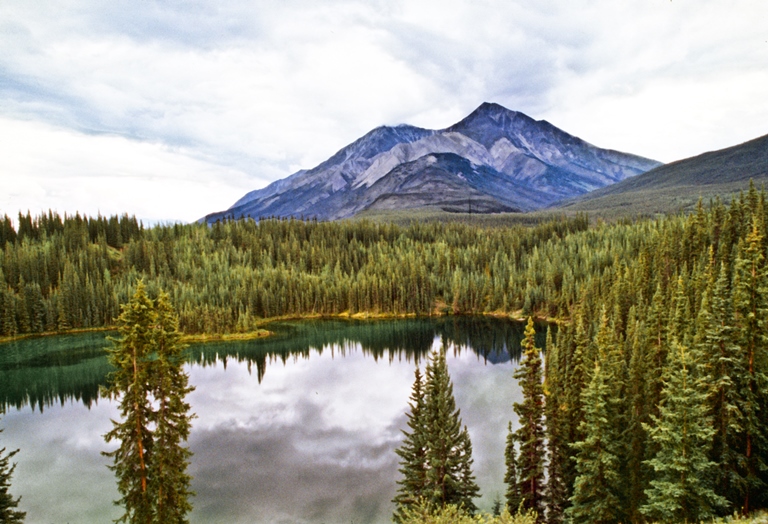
(679, 185)
(493, 160)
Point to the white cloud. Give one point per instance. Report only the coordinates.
(43, 167)
(249, 92)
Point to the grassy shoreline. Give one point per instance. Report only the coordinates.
(259, 332)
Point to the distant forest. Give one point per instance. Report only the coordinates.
(664, 333)
(59, 274)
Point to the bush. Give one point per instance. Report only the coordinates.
(450, 514)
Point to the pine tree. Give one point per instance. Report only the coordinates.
(530, 434)
(130, 356)
(637, 342)
(559, 454)
(449, 450)
(170, 385)
(510, 477)
(750, 305)
(412, 451)
(594, 498)
(151, 461)
(720, 356)
(681, 490)
(572, 340)
(437, 452)
(8, 512)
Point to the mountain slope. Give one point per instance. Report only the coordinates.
(447, 181)
(508, 160)
(678, 185)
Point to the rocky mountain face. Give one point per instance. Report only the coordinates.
(494, 160)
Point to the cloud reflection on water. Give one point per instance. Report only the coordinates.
(311, 440)
(314, 442)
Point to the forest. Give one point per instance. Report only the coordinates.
(654, 390)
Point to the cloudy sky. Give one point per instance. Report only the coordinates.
(171, 110)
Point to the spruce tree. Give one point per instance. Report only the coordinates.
(594, 498)
(559, 454)
(413, 453)
(637, 478)
(530, 434)
(750, 305)
(437, 453)
(681, 490)
(8, 512)
(151, 460)
(720, 356)
(574, 382)
(130, 356)
(449, 450)
(510, 477)
(169, 481)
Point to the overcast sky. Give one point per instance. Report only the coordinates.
(172, 110)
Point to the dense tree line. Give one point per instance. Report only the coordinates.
(58, 274)
(656, 389)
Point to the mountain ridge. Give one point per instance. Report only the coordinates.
(677, 186)
(515, 162)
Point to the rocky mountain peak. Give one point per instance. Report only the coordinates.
(517, 162)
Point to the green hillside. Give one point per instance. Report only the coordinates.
(679, 185)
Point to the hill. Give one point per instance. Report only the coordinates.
(678, 186)
(493, 160)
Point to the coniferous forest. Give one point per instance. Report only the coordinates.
(654, 398)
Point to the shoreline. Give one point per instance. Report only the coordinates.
(259, 332)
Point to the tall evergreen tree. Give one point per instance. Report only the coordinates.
(130, 356)
(595, 498)
(681, 490)
(437, 452)
(530, 434)
(720, 356)
(413, 453)
(750, 305)
(557, 444)
(169, 459)
(637, 342)
(449, 450)
(8, 512)
(151, 461)
(510, 477)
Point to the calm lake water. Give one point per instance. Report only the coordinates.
(299, 427)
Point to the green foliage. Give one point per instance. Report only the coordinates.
(556, 428)
(150, 462)
(682, 490)
(413, 452)
(627, 294)
(8, 512)
(437, 453)
(595, 497)
(131, 356)
(169, 386)
(228, 277)
(750, 306)
(425, 513)
(510, 477)
(530, 434)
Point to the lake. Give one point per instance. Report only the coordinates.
(300, 427)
